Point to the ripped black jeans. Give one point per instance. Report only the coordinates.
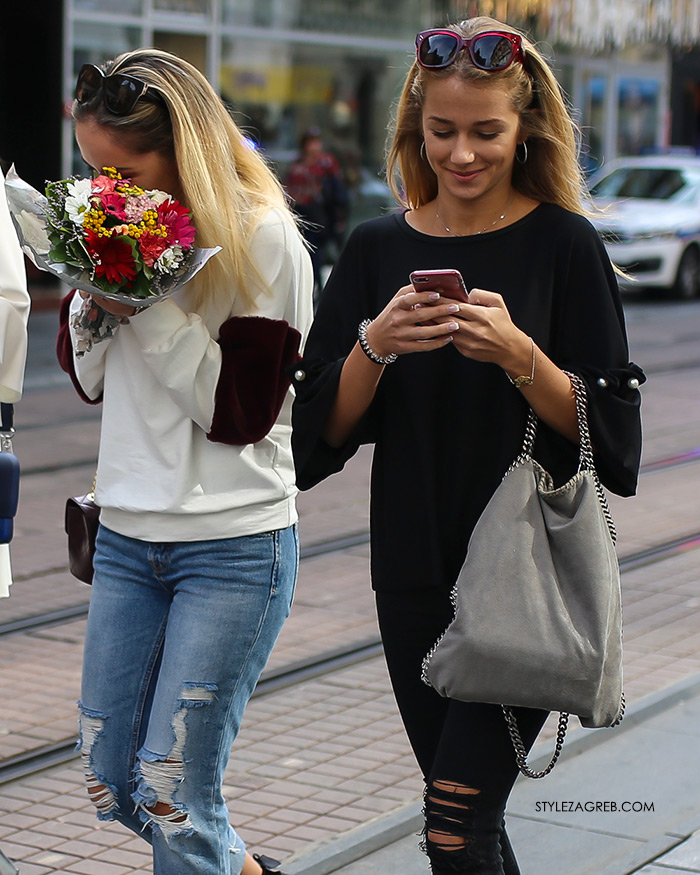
(463, 749)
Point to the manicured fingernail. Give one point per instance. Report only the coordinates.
(453, 308)
(434, 296)
(453, 326)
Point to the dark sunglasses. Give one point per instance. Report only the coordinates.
(491, 51)
(120, 93)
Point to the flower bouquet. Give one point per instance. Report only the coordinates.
(108, 237)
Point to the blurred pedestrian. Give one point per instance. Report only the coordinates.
(483, 159)
(14, 313)
(197, 549)
(315, 185)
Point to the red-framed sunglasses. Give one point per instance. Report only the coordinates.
(120, 92)
(492, 51)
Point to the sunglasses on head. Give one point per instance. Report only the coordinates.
(120, 92)
(491, 51)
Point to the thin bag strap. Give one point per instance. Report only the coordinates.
(585, 461)
(7, 428)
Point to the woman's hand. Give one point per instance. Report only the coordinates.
(487, 333)
(397, 329)
(116, 308)
(403, 325)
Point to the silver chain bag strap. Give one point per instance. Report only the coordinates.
(538, 615)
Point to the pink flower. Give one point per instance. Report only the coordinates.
(137, 206)
(113, 204)
(176, 219)
(104, 184)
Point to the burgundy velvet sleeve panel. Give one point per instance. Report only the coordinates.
(64, 349)
(253, 384)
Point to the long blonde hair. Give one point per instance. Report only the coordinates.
(227, 184)
(552, 172)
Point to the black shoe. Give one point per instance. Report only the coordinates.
(269, 866)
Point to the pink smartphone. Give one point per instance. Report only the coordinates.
(447, 281)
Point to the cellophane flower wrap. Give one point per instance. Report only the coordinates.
(108, 237)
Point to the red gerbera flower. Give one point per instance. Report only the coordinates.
(176, 219)
(113, 258)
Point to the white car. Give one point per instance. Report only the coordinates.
(651, 220)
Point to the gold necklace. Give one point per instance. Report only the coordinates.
(487, 228)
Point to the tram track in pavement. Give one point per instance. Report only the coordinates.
(286, 676)
(639, 559)
(35, 622)
(646, 556)
(30, 762)
(52, 468)
(27, 763)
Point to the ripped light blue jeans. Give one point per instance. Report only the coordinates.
(177, 636)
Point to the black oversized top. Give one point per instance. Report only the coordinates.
(445, 427)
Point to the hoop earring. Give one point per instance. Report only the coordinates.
(517, 157)
(422, 150)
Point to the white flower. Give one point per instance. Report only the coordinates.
(79, 187)
(159, 197)
(169, 259)
(78, 200)
(34, 232)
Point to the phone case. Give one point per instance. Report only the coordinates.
(448, 282)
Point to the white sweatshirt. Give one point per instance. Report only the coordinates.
(14, 313)
(14, 307)
(163, 474)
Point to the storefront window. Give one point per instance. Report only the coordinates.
(395, 19)
(638, 115)
(188, 7)
(126, 7)
(278, 91)
(593, 121)
(389, 18)
(93, 44)
(190, 46)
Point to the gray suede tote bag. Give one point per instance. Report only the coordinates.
(538, 617)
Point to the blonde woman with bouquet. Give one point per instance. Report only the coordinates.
(197, 551)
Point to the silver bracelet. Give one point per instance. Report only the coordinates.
(367, 349)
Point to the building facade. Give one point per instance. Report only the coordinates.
(284, 66)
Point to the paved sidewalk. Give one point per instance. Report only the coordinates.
(626, 803)
(325, 765)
